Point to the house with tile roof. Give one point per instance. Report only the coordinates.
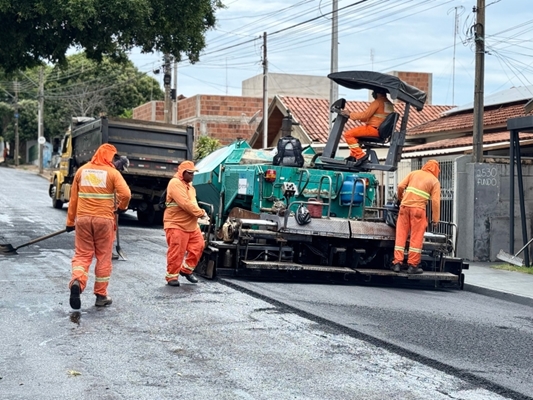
(452, 132)
(312, 116)
(476, 194)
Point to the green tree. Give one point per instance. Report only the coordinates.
(87, 88)
(34, 31)
(127, 114)
(27, 122)
(205, 145)
(6, 115)
(81, 88)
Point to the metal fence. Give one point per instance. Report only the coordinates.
(447, 196)
(389, 183)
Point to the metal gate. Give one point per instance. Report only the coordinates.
(389, 183)
(447, 196)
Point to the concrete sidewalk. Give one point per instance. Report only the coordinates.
(506, 285)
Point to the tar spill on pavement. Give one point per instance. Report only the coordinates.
(75, 317)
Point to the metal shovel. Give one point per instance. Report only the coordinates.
(515, 260)
(8, 249)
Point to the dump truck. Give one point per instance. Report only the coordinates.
(258, 227)
(153, 149)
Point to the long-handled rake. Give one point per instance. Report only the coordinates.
(8, 249)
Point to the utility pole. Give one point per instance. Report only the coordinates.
(166, 82)
(175, 99)
(477, 141)
(333, 87)
(16, 123)
(40, 124)
(265, 92)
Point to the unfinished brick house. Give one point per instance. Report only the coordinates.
(225, 118)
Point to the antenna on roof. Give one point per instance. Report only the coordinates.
(529, 106)
(254, 117)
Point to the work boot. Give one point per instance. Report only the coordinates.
(351, 159)
(190, 277)
(361, 160)
(75, 291)
(414, 270)
(397, 267)
(173, 282)
(102, 301)
(114, 256)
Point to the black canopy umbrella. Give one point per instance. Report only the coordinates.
(371, 80)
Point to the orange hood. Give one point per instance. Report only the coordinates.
(432, 167)
(104, 155)
(184, 166)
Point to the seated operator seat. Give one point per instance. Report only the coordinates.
(385, 130)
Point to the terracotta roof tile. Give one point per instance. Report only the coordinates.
(492, 117)
(313, 114)
(488, 138)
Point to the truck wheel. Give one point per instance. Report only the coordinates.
(146, 217)
(56, 203)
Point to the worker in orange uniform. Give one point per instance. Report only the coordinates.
(97, 190)
(372, 118)
(414, 192)
(180, 221)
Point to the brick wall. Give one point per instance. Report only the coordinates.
(221, 117)
(151, 111)
(420, 80)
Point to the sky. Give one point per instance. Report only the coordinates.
(433, 36)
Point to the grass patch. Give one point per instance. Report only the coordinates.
(510, 267)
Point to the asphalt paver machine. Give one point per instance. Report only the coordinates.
(259, 229)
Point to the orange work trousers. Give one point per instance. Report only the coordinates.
(94, 237)
(351, 136)
(180, 242)
(411, 221)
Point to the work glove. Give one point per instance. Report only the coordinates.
(204, 220)
(120, 211)
(434, 225)
(70, 228)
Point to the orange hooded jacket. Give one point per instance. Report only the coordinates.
(419, 186)
(182, 211)
(94, 186)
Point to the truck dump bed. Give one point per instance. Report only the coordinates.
(153, 148)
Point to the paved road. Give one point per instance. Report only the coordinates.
(217, 340)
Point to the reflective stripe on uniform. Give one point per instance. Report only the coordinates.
(380, 115)
(399, 248)
(170, 276)
(353, 146)
(172, 204)
(418, 192)
(101, 279)
(104, 196)
(185, 266)
(415, 250)
(80, 268)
